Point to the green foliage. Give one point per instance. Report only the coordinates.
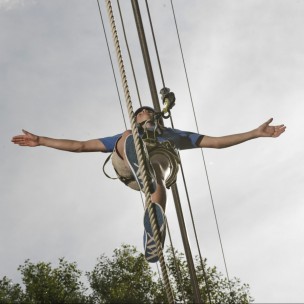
(217, 289)
(10, 293)
(126, 277)
(44, 284)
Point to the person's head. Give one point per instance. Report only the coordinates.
(144, 113)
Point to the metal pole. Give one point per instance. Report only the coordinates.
(153, 90)
(146, 56)
(182, 226)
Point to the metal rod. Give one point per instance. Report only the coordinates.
(154, 95)
(146, 56)
(182, 226)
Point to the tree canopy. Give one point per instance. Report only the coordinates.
(125, 277)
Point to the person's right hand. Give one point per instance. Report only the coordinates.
(28, 139)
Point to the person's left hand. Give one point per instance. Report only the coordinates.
(265, 130)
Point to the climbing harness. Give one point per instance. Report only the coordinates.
(154, 147)
(128, 181)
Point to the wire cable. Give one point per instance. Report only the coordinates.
(105, 34)
(182, 170)
(129, 53)
(205, 167)
(155, 44)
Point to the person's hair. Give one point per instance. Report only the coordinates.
(143, 108)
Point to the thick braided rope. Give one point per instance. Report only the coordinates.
(139, 154)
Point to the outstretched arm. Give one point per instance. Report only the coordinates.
(264, 130)
(31, 140)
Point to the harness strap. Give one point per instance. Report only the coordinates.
(125, 180)
(104, 165)
(154, 147)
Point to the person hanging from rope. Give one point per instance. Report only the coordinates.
(161, 144)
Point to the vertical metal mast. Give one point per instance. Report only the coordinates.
(153, 90)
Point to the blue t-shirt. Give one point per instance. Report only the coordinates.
(182, 140)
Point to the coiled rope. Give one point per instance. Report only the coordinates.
(141, 161)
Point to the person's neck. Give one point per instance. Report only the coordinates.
(147, 124)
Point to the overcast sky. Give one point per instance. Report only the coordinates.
(245, 64)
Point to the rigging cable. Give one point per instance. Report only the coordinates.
(205, 167)
(104, 30)
(174, 189)
(129, 53)
(136, 137)
(181, 166)
(155, 44)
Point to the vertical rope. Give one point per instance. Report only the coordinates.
(140, 157)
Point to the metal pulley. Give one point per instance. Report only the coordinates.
(168, 99)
